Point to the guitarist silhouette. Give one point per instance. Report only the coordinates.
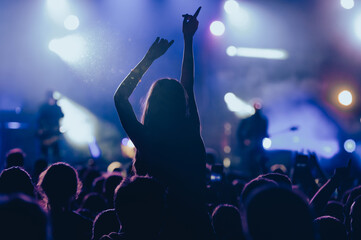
(49, 128)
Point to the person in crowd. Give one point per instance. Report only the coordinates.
(22, 218)
(110, 184)
(105, 222)
(278, 213)
(334, 209)
(140, 207)
(227, 224)
(16, 180)
(92, 204)
(59, 185)
(15, 158)
(168, 140)
(330, 228)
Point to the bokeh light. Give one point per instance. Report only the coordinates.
(71, 22)
(226, 162)
(349, 145)
(345, 98)
(266, 143)
(231, 51)
(217, 28)
(347, 4)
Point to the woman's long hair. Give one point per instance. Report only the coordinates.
(165, 107)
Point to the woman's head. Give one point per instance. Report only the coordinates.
(59, 184)
(165, 105)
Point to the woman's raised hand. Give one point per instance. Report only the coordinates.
(190, 23)
(158, 48)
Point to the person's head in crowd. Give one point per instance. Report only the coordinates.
(88, 177)
(334, 209)
(22, 218)
(16, 180)
(15, 158)
(254, 185)
(105, 223)
(110, 184)
(59, 185)
(98, 184)
(278, 213)
(139, 204)
(226, 221)
(330, 228)
(355, 219)
(165, 106)
(39, 167)
(281, 179)
(92, 204)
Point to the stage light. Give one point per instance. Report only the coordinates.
(78, 123)
(71, 48)
(349, 145)
(14, 125)
(357, 27)
(57, 9)
(345, 98)
(237, 15)
(71, 22)
(231, 7)
(238, 106)
(113, 166)
(347, 4)
(217, 28)
(226, 162)
(94, 149)
(276, 54)
(266, 143)
(231, 51)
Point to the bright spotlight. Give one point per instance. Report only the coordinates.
(71, 22)
(217, 28)
(349, 145)
(231, 7)
(238, 106)
(347, 4)
(71, 48)
(345, 97)
(57, 9)
(78, 123)
(357, 27)
(231, 51)
(266, 143)
(276, 54)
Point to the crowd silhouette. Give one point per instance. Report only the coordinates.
(170, 192)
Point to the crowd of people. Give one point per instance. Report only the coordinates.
(170, 192)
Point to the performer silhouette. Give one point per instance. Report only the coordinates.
(49, 128)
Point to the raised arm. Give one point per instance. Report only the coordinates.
(125, 111)
(190, 25)
(320, 199)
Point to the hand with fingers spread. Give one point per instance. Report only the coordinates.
(190, 23)
(158, 48)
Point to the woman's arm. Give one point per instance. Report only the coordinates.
(121, 96)
(190, 25)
